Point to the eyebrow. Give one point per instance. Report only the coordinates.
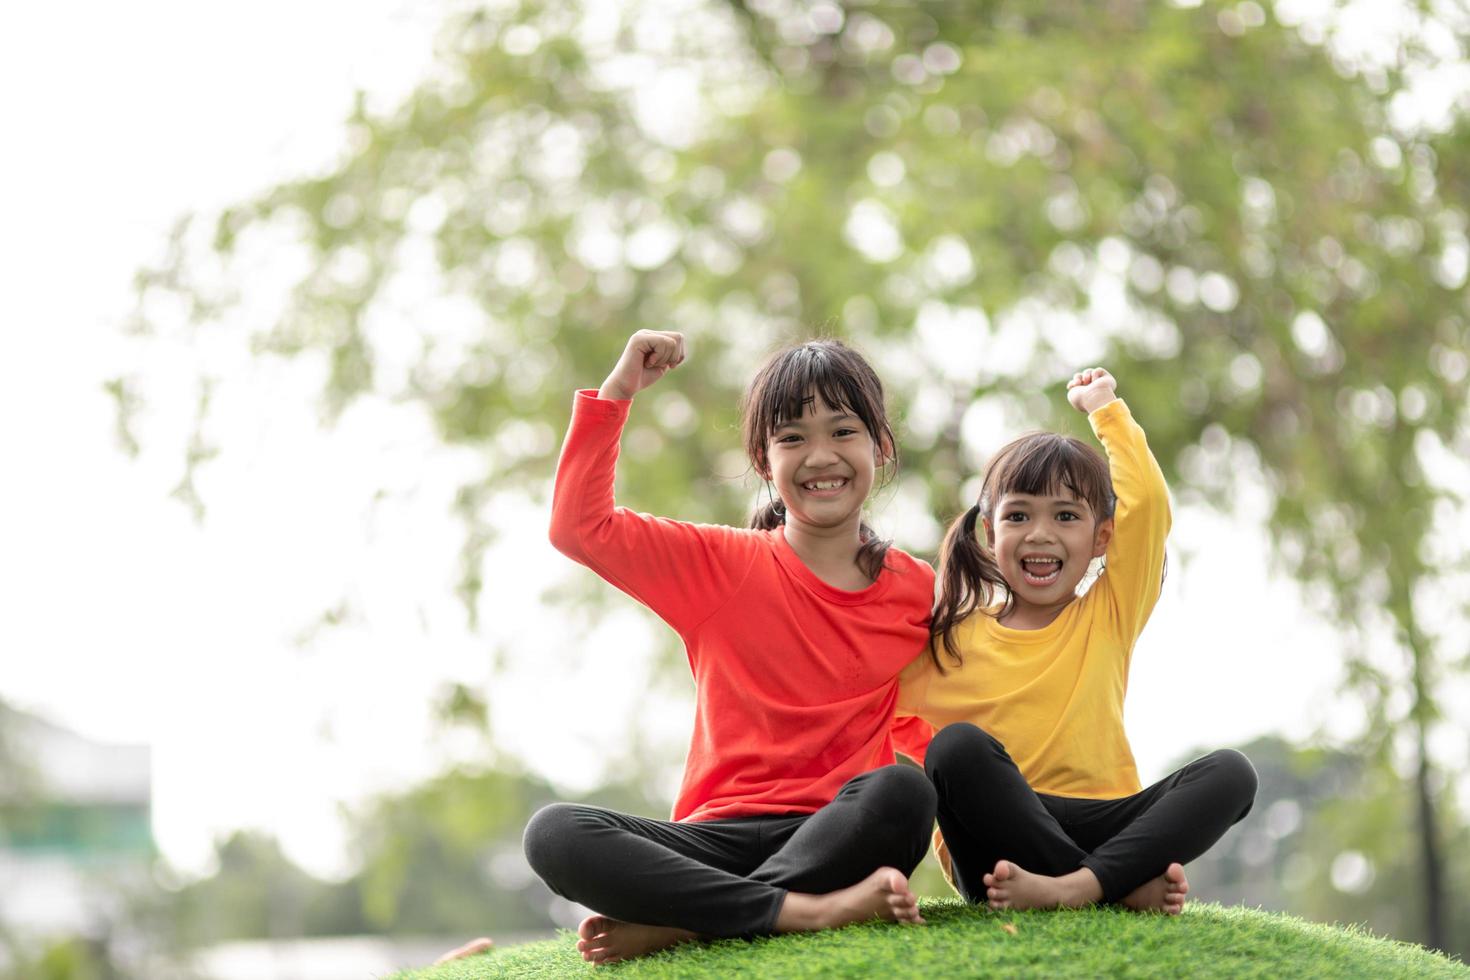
(838, 416)
(1024, 500)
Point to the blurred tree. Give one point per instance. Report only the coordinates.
(446, 857)
(256, 893)
(1212, 199)
(62, 958)
(441, 858)
(1258, 861)
(1325, 840)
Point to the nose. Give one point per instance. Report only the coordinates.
(819, 453)
(1040, 530)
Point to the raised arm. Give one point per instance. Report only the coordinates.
(1135, 556)
(683, 572)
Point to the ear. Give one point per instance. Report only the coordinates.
(1102, 537)
(882, 452)
(989, 533)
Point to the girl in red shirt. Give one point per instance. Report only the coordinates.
(791, 815)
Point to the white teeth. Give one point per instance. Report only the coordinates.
(1041, 570)
(824, 485)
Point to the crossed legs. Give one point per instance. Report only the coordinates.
(654, 883)
(1016, 848)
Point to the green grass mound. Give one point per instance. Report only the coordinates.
(964, 941)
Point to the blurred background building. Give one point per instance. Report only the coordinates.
(75, 829)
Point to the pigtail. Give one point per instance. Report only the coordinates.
(969, 580)
(769, 516)
(873, 553)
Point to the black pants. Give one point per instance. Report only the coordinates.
(987, 813)
(730, 877)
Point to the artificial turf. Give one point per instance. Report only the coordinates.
(964, 941)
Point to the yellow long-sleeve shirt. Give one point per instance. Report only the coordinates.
(1054, 696)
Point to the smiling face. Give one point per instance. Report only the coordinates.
(822, 465)
(1043, 544)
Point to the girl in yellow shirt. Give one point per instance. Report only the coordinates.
(1040, 804)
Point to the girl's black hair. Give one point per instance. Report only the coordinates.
(1041, 463)
(780, 393)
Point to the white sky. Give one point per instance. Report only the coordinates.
(123, 619)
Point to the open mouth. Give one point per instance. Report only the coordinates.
(825, 488)
(1041, 572)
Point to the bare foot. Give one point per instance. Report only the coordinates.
(472, 948)
(1011, 886)
(1162, 894)
(605, 940)
(884, 894)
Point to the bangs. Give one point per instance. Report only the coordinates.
(1044, 465)
(792, 391)
(819, 369)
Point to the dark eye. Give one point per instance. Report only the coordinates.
(1014, 516)
(1068, 515)
(846, 432)
(788, 438)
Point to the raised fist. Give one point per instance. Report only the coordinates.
(650, 355)
(1091, 389)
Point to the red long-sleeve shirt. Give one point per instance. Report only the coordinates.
(795, 681)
